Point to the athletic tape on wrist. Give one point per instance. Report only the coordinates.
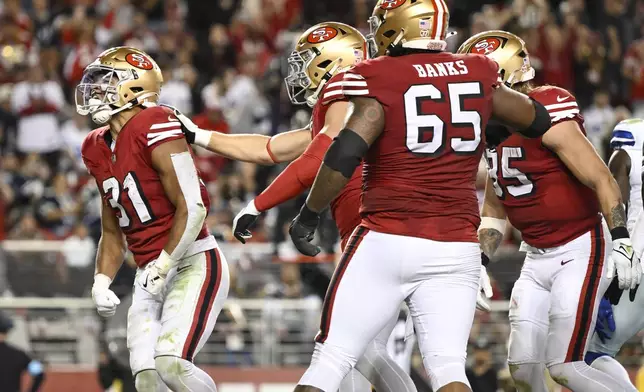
(493, 223)
(202, 138)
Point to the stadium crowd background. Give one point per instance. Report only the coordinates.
(223, 62)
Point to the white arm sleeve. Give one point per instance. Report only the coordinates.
(186, 172)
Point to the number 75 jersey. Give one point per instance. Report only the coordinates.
(132, 188)
(419, 175)
(542, 198)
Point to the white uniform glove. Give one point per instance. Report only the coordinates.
(625, 264)
(152, 278)
(485, 291)
(244, 220)
(104, 299)
(194, 134)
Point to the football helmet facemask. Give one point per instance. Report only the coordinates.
(119, 79)
(321, 52)
(507, 49)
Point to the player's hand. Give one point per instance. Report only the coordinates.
(188, 128)
(243, 222)
(152, 279)
(104, 299)
(624, 263)
(485, 291)
(302, 231)
(605, 325)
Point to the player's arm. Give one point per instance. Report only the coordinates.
(569, 143)
(174, 164)
(620, 167)
(260, 149)
(109, 258)
(252, 148)
(518, 111)
(111, 245)
(364, 125)
(298, 175)
(493, 221)
(574, 149)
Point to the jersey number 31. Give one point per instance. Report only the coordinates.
(421, 126)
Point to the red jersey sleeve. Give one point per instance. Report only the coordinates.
(89, 149)
(560, 103)
(490, 71)
(158, 126)
(352, 83)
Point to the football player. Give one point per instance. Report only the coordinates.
(155, 204)
(416, 115)
(625, 165)
(552, 189)
(321, 52)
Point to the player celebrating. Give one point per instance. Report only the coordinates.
(323, 51)
(152, 193)
(416, 117)
(552, 189)
(625, 165)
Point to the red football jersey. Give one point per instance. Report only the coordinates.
(541, 197)
(345, 208)
(131, 186)
(419, 175)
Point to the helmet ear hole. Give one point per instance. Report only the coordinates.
(389, 33)
(324, 64)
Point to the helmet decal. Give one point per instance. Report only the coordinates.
(139, 61)
(486, 46)
(391, 4)
(322, 34)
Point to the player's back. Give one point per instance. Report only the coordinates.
(131, 186)
(541, 197)
(628, 135)
(418, 177)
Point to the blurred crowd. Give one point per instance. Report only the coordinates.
(223, 63)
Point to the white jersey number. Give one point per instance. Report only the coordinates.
(141, 205)
(421, 125)
(524, 185)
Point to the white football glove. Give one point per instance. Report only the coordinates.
(244, 220)
(194, 134)
(152, 278)
(625, 264)
(485, 291)
(104, 299)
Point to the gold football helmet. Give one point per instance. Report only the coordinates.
(507, 49)
(420, 24)
(321, 52)
(119, 79)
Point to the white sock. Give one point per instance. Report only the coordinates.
(579, 377)
(355, 382)
(149, 381)
(181, 375)
(610, 366)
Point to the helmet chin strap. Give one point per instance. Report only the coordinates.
(312, 99)
(102, 114)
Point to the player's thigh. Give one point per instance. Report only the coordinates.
(576, 291)
(364, 294)
(195, 294)
(442, 299)
(529, 305)
(143, 328)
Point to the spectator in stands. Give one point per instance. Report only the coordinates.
(37, 102)
(481, 373)
(177, 89)
(633, 71)
(14, 363)
(79, 251)
(74, 131)
(58, 210)
(599, 117)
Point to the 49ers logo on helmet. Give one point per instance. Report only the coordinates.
(486, 46)
(391, 4)
(322, 34)
(138, 60)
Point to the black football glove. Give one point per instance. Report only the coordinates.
(614, 293)
(187, 126)
(244, 221)
(302, 231)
